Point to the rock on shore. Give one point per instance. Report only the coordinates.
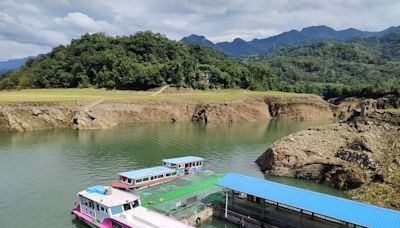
(103, 114)
(361, 155)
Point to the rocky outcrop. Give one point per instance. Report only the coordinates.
(388, 102)
(232, 112)
(24, 117)
(103, 114)
(361, 152)
(299, 108)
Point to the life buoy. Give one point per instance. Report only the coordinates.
(198, 220)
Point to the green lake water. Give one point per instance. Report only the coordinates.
(41, 171)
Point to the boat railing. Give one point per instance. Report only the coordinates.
(144, 221)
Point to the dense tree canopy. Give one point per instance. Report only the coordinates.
(362, 66)
(141, 61)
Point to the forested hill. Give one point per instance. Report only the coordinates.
(141, 61)
(361, 66)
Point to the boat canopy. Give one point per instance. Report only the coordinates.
(113, 197)
(146, 172)
(181, 160)
(97, 189)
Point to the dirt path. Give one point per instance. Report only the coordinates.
(160, 90)
(90, 105)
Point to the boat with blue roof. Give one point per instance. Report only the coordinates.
(171, 169)
(107, 207)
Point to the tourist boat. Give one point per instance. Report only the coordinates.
(106, 207)
(171, 169)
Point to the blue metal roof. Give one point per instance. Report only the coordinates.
(146, 172)
(180, 160)
(335, 207)
(100, 189)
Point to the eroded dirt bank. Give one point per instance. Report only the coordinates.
(103, 114)
(361, 155)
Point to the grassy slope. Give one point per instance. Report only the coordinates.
(56, 95)
(393, 110)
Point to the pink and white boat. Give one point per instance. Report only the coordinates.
(171, 169)
(105, 207)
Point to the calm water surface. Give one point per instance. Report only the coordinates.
(41, 172)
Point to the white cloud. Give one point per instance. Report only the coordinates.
(81, 23)
(29, 25)
(176, 24)
(21, 7)
(13, 50)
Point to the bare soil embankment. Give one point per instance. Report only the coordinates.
(107, 113)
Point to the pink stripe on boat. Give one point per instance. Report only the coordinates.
(81, 215)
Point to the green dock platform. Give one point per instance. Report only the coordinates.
(183, 197)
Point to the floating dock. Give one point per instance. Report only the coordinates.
(187, 199)
(258, 203)
(261, 203)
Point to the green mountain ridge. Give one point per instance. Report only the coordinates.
(358, 67)
(361, 65)
(139, 62)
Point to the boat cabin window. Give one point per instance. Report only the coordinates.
(151, 178)
(174, 173)
(116, 210)
(102, 208)
(115, 224)
(130, 181)
(123, 179)
(91, 204)
(127, 207)
(160, 176)
(165, 163)
(145, 179)
(180, 166)
(134, 204)
(168, 174)
(138, 180)
(186, 165)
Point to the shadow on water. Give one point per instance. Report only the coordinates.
(42, 171)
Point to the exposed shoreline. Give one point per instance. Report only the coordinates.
(107, 113)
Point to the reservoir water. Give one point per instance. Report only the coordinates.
(41, 171)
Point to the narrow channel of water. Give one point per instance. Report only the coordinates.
(42, 171)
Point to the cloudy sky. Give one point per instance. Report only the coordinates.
(30, 27)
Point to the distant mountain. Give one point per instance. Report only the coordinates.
(239, 47)
(12, 64)
(195, 39)
(363, 66)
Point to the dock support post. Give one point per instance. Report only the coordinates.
(263, 209)
(226, 204)
(233, 199)
(301, 217)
